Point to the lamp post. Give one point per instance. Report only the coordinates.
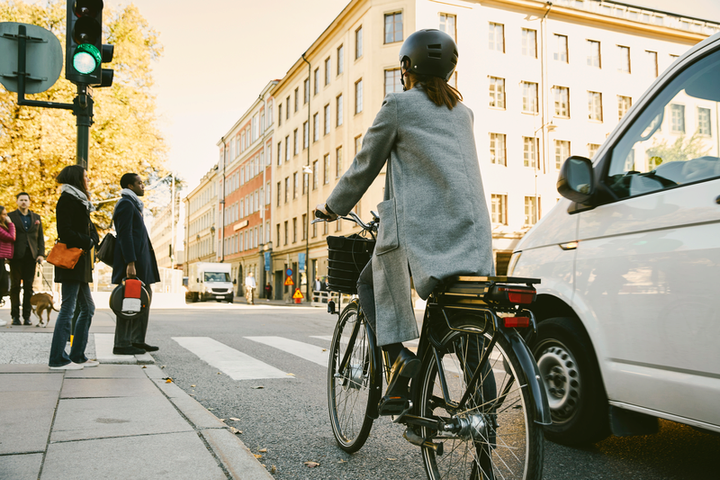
(307, 169)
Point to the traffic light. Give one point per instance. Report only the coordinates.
(85, 52)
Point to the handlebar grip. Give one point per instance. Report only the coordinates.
(321, 215)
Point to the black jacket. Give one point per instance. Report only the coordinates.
(76, 231)
(33, 238)
(133, 244)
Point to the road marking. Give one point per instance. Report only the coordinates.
(235, 364)
(312, 353)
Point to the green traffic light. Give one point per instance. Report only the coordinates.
(86, 58)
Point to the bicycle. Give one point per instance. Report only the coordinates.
(477, 406)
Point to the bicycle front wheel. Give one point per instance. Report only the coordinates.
(351, 389)
(493, 435)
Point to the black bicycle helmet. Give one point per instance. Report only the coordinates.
(430, 52)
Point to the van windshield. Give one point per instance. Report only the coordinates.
(217, 277)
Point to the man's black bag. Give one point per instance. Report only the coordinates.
(106, 250)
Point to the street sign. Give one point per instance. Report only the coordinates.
(289, 281)
(288, 272)
(298, 294)
(44, 58)
(301, 262)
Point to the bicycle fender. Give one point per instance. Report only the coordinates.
(532, 374)
(375, 370)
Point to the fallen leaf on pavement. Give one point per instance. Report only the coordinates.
(193, 386)
(342, 461)
(392, 458)
(324, 349)
(273, 469)
(311, 464)
(234, 419)
(169, 380)
(291, 374)
(263, 450)
(258, 455)
(235, 430)
(163, 366)
(219, 373)
(144, 366)
(258, 387)
(221, 419)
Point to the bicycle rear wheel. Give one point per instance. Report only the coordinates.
(351, 389)
(494, 435)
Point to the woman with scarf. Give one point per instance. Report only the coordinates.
(76, 231)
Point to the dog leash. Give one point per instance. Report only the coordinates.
(42, 274)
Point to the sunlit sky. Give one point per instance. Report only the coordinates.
(219, 54)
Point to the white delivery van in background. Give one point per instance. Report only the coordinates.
(629, 307)
(210, 281)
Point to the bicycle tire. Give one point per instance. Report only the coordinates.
(352, 392)
(509, 444)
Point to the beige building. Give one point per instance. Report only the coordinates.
(244, 182)
(544, 80)
(201, 220)
(169, 253)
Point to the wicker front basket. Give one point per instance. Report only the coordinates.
(347, 256)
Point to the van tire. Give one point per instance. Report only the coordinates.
(570, 373)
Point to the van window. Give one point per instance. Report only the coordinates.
(217, 277)
(675, 141)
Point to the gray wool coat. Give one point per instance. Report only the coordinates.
(434, 221)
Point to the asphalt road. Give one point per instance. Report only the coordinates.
(285, 420)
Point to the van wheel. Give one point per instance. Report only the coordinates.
(570, 373)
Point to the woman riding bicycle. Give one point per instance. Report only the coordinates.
(435, 222)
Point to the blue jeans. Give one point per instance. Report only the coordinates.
(72, 293)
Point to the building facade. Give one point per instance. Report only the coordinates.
(245, 182)
(167, 252)
(545, 81)
(201, 220)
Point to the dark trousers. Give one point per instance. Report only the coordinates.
(21, 270)
(132, 331)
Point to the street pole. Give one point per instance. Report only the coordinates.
(308, 298)
(172, 221)
(83, 111)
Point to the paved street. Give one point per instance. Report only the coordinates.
(262, 370)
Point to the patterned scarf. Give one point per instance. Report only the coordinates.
(75, 192)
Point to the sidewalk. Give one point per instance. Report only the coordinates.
(111, 421)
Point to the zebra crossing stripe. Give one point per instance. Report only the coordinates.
(306, 351)
(235, 364)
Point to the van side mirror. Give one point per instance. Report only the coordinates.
(576, 181)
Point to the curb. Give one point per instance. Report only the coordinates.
(229, 451)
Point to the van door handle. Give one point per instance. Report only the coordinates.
(717, 199)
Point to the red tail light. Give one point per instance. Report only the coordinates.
(519, 322)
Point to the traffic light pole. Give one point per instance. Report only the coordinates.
(82, 105)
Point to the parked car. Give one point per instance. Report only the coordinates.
(628, 308)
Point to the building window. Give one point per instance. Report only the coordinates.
(339, 110)
(448, 24)
(304, 226)
(358, 96)
(592, 149)
(497, 149)
(306, 91)
(497, 92)
(296, 146)
(623, 59)
(306, 135)
(287, 108)
(286, 232)
(279, 155)
(561, 48)
(704, 122)
(531, 211)
(358, 42)
(595, 106)
(498, 207)
(393, 27)
(624, 104)
(562, 101)
(530, 149)
(297, 99)
(279, 114)
(593, 58)
(287, 148)
(306, 181)
(295, 185)
(529, 97)
(392, 81)
(652, 61)
(326, 169)
(562, 152)
(315, 174)
(327, 71)
(677, 118)
(316, 127)
(358, 143)
(338, 162)
(316, 76)
(529, 43)
(326, 119)
(497, 37)
(340, 59)
(287, 189)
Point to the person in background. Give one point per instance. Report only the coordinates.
(318, 284)
(134, 258)
(29, 251)
(76, 230)
(268, 291)
(7, 245)
(250, 287)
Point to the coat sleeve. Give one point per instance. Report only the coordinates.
(123, 220)
(65, 231)
(369, 161)
(41, 239)
(9, 234)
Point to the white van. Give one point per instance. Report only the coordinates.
(210, 281)
(629, 305)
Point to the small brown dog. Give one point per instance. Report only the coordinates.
(42, 302)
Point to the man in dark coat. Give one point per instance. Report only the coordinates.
(134, 257)
(29, 251)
